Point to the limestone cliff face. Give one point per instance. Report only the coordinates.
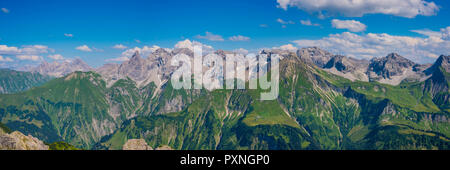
(18, 141)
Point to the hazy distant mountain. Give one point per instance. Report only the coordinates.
(59, 69)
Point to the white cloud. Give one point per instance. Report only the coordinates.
(84, 48)
(56, 57)
(210, 36)
(4, 49)
(376, 45)
(120, 46)
(241, 51)
(26, 52)
(138, 41)
(263, 25)
(446, 33)
(288, 47)
(27, 49)
(281, 21)
(35, 49)
(190, 45)
(4, 10)
(184, 44)
(308, 23)
(97, 49)
(428, 32)
(144, 51)
(358, 8)
(352, 25)
(239, 38)
(29, 57)
(68, 35)
(5, 59)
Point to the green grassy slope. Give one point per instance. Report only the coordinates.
(16, 81)
(77, 108)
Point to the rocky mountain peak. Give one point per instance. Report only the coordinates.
(391, 65)
(394, 56)
(264, 51)
(160, 51)
(136, 58)
(186, 51)
(391, 69)
(222, 52)
(314, 55)
(393, 59)
(341, 63)
(442, 62)
(78, 61)
(45, 63)
(350, 68)
(155, 68)
(159, 57)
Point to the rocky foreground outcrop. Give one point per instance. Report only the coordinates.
(18, 141)
(140, 144)
(136, 144)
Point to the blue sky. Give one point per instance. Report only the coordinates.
(62, 26)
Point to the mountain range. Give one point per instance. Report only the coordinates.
(326, 101)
